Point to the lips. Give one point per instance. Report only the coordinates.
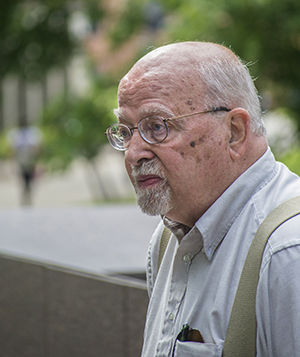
(147, 181)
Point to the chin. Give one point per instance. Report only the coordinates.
(157, 207)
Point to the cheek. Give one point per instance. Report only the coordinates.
(205, 151)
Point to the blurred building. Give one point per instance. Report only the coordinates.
(29, 101)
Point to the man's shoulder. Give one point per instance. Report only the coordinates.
(284, 186)
(284, 240)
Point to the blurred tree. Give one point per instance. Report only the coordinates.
(292, 160)
(265, 33)
(130, 21)
(35, 36)
(74, 127)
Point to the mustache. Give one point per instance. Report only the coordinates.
(152, 167)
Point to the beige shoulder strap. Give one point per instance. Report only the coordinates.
(164, 240)
(241, 333)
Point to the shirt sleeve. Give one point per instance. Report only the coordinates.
(278, 294)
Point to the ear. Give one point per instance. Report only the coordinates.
(239, 125)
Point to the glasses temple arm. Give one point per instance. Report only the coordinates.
(213, 110)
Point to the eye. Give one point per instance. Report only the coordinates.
(120, 132)
(123, 132)
(153, 130)
(152, 125)
(157, 125)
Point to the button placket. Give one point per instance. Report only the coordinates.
(176, 290)
(177, 278)
(187, 258)
(171, 317)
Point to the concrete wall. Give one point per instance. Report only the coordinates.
(46, 311)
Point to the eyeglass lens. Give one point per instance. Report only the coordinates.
(119, 135)
(152, 130)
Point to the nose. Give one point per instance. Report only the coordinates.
(138, 150)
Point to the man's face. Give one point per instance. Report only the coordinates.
(182, 176)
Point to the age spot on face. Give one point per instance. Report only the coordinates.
(201, 139)
(182, 154)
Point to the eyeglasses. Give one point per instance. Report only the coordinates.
(153, 130)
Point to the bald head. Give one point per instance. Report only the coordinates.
(208, 74)
(176, 63)
(185, 53)
(201, 155)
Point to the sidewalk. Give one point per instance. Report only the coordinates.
(73, 187)
(65, 228)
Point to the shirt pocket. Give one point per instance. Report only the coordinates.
(197, 349)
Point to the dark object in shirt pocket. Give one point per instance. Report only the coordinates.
(195, 336)
(189, 334)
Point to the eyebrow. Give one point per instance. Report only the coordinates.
(155, 111)
(144, 112)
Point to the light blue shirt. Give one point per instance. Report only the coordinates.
(198, 277)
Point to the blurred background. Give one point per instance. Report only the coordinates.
(60, 65)
(72, 260)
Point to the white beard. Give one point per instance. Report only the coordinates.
(157, 200)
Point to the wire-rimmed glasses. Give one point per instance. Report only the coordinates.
(153, 130)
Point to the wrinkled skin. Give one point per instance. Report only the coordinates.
(202, 154)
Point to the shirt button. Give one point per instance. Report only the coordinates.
(171, 317)
(187, 258)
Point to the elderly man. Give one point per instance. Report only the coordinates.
(196, 152)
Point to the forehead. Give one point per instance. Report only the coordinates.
(134, 89)
(159, 92)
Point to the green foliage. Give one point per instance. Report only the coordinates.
(75, 127)
(5, 148)
(34, 37)
(131, 21)
(263, 32)
(192, 21)
(292, 160)
(94, 11)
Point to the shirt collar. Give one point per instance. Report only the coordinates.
(214, 224)
(178, 229)
(190, 239)
(216, 221)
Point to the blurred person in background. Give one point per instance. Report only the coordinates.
(189, 122)
(26, 143)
